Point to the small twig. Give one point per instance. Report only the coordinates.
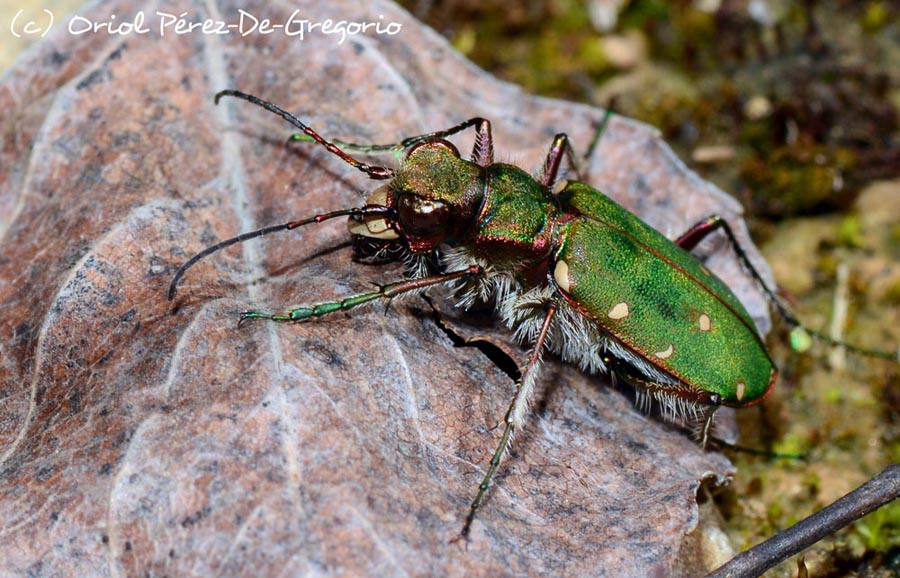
(837, 357)
(883, 488)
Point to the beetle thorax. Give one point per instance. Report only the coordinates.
(516, 223)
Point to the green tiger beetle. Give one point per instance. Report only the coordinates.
(568, 269)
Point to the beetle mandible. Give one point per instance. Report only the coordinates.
(569, 270)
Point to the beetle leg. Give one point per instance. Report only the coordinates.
(388, 291)
(563, 147)
(692, 237)
(707, 425)
(560, 148)
(515, 415)
(482, 153)
(701, 230)
(601, 128)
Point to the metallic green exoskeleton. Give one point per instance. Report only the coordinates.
(659, 301)
(569, 270)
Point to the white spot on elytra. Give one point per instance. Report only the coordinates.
(619, 311)
(666, 353)
(558, 187)
(740, 390)
(705, 322)
(561, 275)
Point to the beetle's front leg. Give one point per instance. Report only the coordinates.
(515, 415)
(560, 148)
(384, 292)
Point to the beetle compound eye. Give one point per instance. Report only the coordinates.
(434, 144)
(422, 217)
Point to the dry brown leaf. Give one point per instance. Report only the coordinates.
(142, 439)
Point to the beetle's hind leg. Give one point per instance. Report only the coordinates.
(515, 415)
(693, 236)
(674, 401)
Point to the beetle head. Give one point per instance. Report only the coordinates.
(434, 196)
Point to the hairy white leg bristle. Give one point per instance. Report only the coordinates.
(574, 337)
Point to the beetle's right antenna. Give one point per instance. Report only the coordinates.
(356, 211)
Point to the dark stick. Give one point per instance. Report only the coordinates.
(883, 488)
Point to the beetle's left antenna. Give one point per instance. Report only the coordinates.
(356, 211)
(373, 171)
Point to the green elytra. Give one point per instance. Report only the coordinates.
(659, 300)
(570, 271)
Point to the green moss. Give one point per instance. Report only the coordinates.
(892, 296)
(895, 234)
(465, 39)
(775, 510)
(876, 15)
(796, 178)
(834, 395)
(880, 530)
(827, 264)
(793, 443)
(590, 52)
(641, 13)
(850, 232)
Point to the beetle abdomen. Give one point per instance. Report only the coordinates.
(665, 306)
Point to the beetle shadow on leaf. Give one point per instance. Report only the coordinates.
(303, 261)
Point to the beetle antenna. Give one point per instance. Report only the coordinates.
(373, 171)
(356, 211)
